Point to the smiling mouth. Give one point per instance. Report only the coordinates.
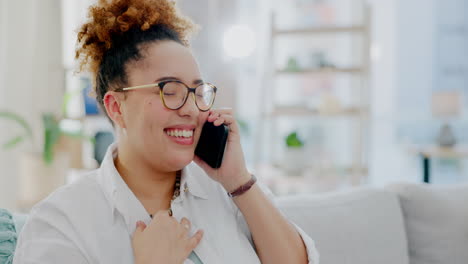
(179, 133)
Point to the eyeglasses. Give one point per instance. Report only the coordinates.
(174, 94)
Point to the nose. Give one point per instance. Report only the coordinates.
(189, 108)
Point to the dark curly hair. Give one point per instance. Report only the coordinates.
(116, 32)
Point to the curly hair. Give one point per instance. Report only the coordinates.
(115, 32)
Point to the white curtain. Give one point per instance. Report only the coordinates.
(31, 77)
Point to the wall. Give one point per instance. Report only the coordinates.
(33, 79)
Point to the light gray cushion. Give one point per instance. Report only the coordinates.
(364, 226)
(436, 219)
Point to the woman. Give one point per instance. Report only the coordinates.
(148, 202)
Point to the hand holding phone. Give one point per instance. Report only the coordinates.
(212, 143)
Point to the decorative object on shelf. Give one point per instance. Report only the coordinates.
(319, 60)
(446, 105)
(446, 138)
(327, 83)
(315, 12)
(294, 156)
(293, 65)
(42, 172)
(329, 105)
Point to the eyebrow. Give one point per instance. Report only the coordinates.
(170, 78)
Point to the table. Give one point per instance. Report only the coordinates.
(429, 152)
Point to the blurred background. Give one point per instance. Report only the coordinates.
(330, 94)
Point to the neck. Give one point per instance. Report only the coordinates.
(154, 188)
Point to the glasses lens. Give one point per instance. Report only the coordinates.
(174, 94)
(205, 95)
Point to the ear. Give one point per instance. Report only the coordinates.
(112, 103)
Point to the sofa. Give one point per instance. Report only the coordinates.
(398, 224)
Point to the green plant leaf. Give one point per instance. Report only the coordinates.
(293, 141)
(51, 136)
(20, 120)
(13, 142)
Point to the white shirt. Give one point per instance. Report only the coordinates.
(92, 221)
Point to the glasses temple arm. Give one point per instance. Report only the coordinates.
(140, 87)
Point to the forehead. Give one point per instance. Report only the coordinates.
(162, 59)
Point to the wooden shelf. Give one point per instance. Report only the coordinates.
(344, 169)
(321, 30)
(303, 111)
(433, 151)
(349, 70)
(274, 111)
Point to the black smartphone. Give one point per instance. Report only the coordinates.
(211, 145)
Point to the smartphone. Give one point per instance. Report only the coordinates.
(211, 145)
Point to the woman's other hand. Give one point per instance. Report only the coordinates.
(164, 240)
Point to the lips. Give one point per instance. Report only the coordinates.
(181, 134)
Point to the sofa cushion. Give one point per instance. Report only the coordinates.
(436, 219)
(8, 237)
(363, 226)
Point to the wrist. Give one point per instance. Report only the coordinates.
(243, 188)
(236, 182)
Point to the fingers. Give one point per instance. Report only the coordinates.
(227, 119)
(194, 240)
(140, 227)
(215, 114)
(185, 223)
(223, 116)
(228, 111)
(219, 121)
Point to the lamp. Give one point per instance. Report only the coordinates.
(446, 105)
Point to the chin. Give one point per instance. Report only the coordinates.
(181, 159)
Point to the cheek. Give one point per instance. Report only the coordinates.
(155, 114)
(201, 121)
(202, 117)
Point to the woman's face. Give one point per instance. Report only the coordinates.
(148, 124)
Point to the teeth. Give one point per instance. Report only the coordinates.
(180, 133)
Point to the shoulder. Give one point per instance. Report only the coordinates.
(73, 201)
(56, 225)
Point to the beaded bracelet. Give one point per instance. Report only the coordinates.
(243, 188)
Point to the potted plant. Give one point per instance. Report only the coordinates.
(294, 157)
(41, 172)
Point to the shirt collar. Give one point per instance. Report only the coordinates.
(190, 179)
(124, 200)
